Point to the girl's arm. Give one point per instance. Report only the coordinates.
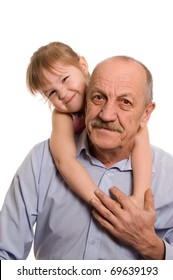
(141, 165)
(63, 150)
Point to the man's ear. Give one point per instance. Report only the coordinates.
(83, 64)
(146, 115)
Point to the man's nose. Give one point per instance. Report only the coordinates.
(108, 112)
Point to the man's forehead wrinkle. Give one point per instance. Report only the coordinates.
(111, 77)
(100, 80)
(104, 83)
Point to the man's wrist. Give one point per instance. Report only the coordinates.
(156, 250)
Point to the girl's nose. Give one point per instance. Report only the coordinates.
(62, 92)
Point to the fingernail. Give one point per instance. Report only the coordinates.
(93, 201)
(97, 191)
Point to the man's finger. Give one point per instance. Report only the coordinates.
(121, 198)
(107, 201)
(103, 222)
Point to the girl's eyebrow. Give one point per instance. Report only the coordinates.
(45, 91)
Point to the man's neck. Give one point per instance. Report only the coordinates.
(109, 157)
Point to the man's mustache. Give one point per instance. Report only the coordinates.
(98, 123)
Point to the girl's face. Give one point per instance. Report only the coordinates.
(66, 87)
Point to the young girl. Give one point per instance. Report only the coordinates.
(61, 76)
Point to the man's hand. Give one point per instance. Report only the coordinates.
(131, 225)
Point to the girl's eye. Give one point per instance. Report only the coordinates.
(63, 80)
(51, 93)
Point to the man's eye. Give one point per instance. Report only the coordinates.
(97, 99)
(64, 79)
(126, 104)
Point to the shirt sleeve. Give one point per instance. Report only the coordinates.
(19, 211)
(168, 251)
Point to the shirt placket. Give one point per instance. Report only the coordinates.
(92, 250)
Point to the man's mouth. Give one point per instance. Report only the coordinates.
(98, 123)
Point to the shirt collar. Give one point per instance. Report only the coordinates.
(123, 165)
(82, 142)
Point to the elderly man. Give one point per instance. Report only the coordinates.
(119, 101)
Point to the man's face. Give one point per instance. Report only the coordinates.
(115, 104)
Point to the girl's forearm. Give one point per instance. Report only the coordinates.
(141, 164)
(77, 179)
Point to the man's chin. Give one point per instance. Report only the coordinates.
(104, 144)
(104, 137)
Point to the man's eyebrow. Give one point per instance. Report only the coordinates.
(126, 94)
(96, 89)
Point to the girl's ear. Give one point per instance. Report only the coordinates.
(83, 64)
(147, 114)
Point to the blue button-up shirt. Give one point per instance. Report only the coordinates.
(64, 226)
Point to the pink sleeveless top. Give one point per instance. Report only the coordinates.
(78, 122)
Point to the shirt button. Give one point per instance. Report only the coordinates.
(93, 242)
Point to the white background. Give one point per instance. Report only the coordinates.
(95, 29)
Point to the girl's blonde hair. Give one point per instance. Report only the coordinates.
(45, 58)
